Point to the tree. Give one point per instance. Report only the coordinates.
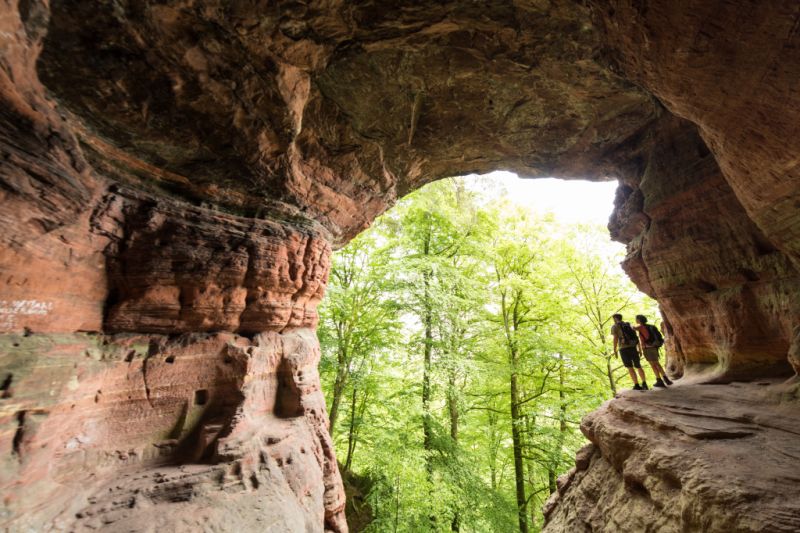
(359, 317)
(599, 292)
(462, 342)
(514, 257)
(436, 234)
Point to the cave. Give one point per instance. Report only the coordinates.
(175, 176)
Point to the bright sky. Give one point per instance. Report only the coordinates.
(574, 201)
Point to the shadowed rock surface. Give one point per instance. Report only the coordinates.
(175, 175)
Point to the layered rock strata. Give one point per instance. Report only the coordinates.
(175, 174)
(727, 294)
(691, 458)
(229, 431)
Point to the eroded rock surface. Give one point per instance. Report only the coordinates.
(101, 421)
(690, 458)
(728, 296)
(174, 176)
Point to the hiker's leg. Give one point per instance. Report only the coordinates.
(628, 360)
(657, 370)
(664, 375)
(637, 364)
(660, 369)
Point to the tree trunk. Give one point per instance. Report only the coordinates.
(555, 463)
(493, 449)
(519, 469)
(610, 372)
(609, 358)
(351, 441)
(427, 422)
(452, 407)
(427, 429)
(516, 417)
(338, 389)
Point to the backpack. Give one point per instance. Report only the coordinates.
(628, 335)
(655, 339)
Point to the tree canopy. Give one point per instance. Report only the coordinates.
(462, 342)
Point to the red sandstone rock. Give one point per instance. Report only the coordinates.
(173, 268)
(732, 69)
(247, 414)
(725, 290)
(174, 175)
(689, 458)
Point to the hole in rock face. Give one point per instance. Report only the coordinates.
(153, 348)
(5, 386)
(763, 246)
(20, 433)
(201, 397)
(636, 488)
(170, 359)
(288, 402)
(705, 286)
(749, 275)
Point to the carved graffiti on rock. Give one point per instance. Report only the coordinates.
(10, 310)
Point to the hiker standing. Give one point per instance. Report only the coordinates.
(651, 340)
(625, 346)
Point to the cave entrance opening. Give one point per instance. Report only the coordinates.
(471, 323)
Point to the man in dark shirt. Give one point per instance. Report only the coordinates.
(625, 346)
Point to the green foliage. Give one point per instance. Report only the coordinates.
(429, 319)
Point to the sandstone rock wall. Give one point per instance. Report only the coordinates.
(728, 295)
(731, 69)
(691, 458)
(206, 392)
(175, 175)
(711, 228)
(229, 431)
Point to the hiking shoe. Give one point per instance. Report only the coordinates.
(667, 380)
(637, 387)
(644, 386)
(660, 384)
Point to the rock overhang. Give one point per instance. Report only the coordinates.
(336, 111)
(174, 175)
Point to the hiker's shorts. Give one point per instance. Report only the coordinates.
(630, 357)
(651, 354)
